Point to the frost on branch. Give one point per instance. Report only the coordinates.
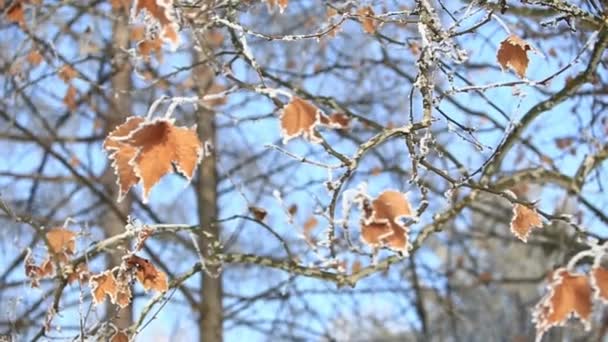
(513, 53)
(381, 221)
(569, 295)
(523, 221)
(144, 151)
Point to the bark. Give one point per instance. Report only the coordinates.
(211, 311)
(119, 110)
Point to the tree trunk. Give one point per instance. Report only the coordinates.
(119, 110)
(211, 311)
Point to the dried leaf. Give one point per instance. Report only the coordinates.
(258, 213)
(160, 145)
(367, 20)
(121, 154)
(149, 46)
(162, 13)
(149, 277)
(281, 3)
(70, 98)
(310, 224)
(81, 273)
(299, 117)
(599, 281)
(103, 284)
(15, 13)
(569, 295)
(523, 221)
(120, 336)
(146, 151)
(34, 58)
(61, 240)
(67, 73)
(513, 53)
(35, 272)
(381, 224)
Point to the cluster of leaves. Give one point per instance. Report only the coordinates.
(572, 294)
(114, 283)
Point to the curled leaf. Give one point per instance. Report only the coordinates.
(149, 277)
(381, 224)
(513, 53)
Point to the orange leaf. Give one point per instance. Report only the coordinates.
(146, 151)
(381, 224)
(103, 284)
(147, 274)
(121, 154)
(61, 240)
(523, 221)
(147, 47)
(120, 336)
(160, 145)
(15, 13)
(162, 12)
(81, 273)
(367, 20)
(67, 73)
(299, 117)
(569, 295)
(34, 58)
(70, 98)
(513, 53)
(309, 225)
(599, 281)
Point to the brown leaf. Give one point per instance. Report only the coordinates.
(367, 20)
(34, 58)
(513, 53)
(15, 13)
(310, 224)
(299, 117)
(523, 221)
(381, 222)
(103, 284)
(144, 152)
(61, 240)
(147, 274)
(569, 295)
(599, 281)
(70, 98)
(258, 213)
(160, 145)
(81, 273)
(138, 33)
(67, 73)
(120, 336)
(35, 272)
(162, 12)
(121, 154)
(149, 46)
